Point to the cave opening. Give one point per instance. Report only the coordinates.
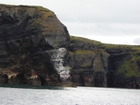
(110, 79)
(114, 61)
(111, 70)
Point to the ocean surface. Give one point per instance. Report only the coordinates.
(69, 96)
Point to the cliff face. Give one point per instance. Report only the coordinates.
(123, 66)
(89, 62)
(32, 42)
(36, 49)
(97, 64)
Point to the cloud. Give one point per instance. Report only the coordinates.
(102, 11)
(108, 29)
(94, 17)
(137, 41)
(91, 11)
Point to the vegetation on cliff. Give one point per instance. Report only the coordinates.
(33, 45)
(120, 63)
(129, 66)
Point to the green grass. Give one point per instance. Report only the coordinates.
(84, 52)
(85, 40)
(130, 67)
(31, 6)
(122, 47)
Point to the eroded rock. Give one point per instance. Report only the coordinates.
(35, 49)
(27, 35)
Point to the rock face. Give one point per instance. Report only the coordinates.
(36, 49)
(32, 43)
(123, 66)
(104, 65)
(89, 62)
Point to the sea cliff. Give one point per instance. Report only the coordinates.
(33, 46)
(36, 49)
(104, 65)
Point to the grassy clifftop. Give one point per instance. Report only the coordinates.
(123, 60)
(123, 48)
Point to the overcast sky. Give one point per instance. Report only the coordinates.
(108, 21)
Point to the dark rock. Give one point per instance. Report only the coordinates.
(123, 68)
(108, 65)
(35, 49)
(90, 60)
(27, 36)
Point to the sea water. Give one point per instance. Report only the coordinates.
(69, 96)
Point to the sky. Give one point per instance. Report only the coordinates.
(107, 21)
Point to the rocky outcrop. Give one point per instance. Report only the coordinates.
(104, 65)
(123, 66)
(36, 49)
(33, 46)
(89, 62)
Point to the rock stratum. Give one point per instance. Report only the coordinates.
(36, 49)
